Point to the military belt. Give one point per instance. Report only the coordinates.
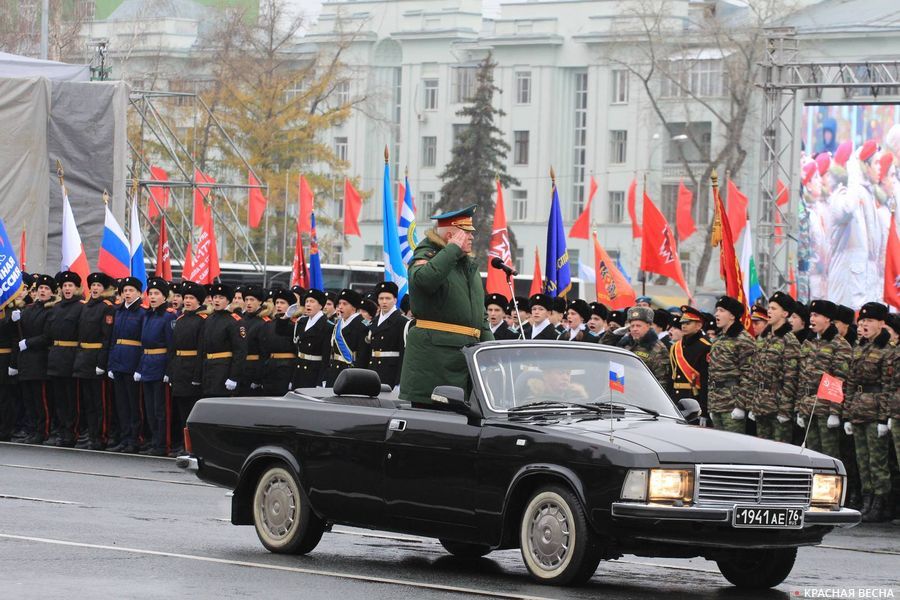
(65, 343)
(284, 355)
(185, 353)
(216, 355)
(124, 342)
(91, 345)
(155, 350)
(382, 354)
(868, 389)
(723, 384)
(340, 358)
(310, 357)
(683, 386)
(449, 328)
(5, 350)
(253, 357)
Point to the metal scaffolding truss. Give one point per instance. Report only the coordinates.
(790, 82)
(161, 138)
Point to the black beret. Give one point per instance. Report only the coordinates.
(317, 295)
(873, 310)
(190, 288)
(784, 301)
(68, 277)
(50, 282)
(541, 300)
(222, 289)
(731, 305)
(599, 309)
(404, 303)
(826, 308)
(133, 282)
(498, 300)
(101, 278)
(387, 287)
(617, 316)
(255, 291)
(559, 305)
(662, 318)
(844, 314)
(351, 296)
(158, 283)
(581, 307)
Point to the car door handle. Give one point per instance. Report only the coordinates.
(397, 425)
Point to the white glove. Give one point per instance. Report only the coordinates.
(801, 421)
(255, 386)
(23, 345)
(230, 385)
(197, 383)
(738, 414)
(751, 416)
(16, 315)
(165, 379)
(137, 376)
(99, 371)
(833, 421)
(882, 430)
(782, 419)
(110, 375)
(848, 428)
(12, 372)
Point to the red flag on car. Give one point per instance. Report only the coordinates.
(831, 389)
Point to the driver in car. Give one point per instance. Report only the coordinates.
(554, 383)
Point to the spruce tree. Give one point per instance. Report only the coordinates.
(479, 157)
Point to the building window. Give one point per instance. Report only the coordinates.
(340, 148)
(464, 83)
(429, 151)
(85, 10)
(520, 205)
(425, 205)
(579, 157)
(373, 252)
(431, 94)
(523, 87)
(693, 140)
(700, 78)
(616, 207)
(342, 93)
(620, 86)
(520, 147)
(618, 146)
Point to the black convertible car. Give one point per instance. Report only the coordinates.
(571, 452)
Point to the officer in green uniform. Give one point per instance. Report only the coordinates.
(447, 299)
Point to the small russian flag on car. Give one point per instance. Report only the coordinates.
(617, 377)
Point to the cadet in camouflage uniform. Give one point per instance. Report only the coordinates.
(866, 406)
(730, 361)
(774, 373)
(823, 352)
(643, 341)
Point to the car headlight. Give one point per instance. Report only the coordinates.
(827, 489)
(667, 485)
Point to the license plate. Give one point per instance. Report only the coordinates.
(768, 517)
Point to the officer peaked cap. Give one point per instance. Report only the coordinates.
(689, 314)
(731, 305)
(873, 310)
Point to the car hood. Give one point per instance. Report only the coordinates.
(677, 442)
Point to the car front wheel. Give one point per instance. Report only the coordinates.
(558, 545)
(284, 520)
(758, 569)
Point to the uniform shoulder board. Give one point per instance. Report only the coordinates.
(235, 317)
(203, 315)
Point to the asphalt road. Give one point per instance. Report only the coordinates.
(112, 526)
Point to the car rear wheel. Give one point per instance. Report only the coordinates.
(284, 520)
(558, 545)
(758, 569)
(464, 550)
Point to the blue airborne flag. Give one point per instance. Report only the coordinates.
(558, 274)
(10, 273)
(394, 267)
(316, 280)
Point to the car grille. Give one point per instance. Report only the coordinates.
(755, 485)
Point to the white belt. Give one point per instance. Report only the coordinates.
(380, 354)
(310, 357)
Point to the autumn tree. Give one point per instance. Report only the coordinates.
(20, 28)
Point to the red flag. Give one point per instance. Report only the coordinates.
(537, 280)
(201, 193)
(831, 389)
(163, 260)
(792, 282)
(781, 193)
(401, 194)
(891, 267)
(352, 206)
(299, 270)
(632, 199)
(684, 220)
(613, 289)
(729, 267)
(202, 259)
(306, 207)
(257, 203)
(22, 247)
(583, 223)
(496, 278)
(737, 210)
(659, 254)
(159, 195)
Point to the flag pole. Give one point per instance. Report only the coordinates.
(266, 241)
(644, 273)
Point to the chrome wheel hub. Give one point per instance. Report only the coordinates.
(278, 506)
(549, 535)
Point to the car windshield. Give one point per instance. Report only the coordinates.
(519, 375)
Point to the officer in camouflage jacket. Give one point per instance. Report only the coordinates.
(823, 352)
(643, 341)
(730, 364)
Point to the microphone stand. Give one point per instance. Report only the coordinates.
(512, 293)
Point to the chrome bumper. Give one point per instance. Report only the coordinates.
(845, 517)
(188, 463)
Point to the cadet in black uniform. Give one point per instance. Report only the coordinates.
(347, 337)
(540, 327)
(277, 348)
(384, 343)
(330, 307)
(223, 347)
(62, 328)
(255, 318)
(184, 356)
(577, 314)
(94, 329)
(689, 360)
(497, 306)
(312, 342)
(31, 358)
(558, 315)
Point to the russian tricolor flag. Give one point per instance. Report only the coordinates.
(73, 257)
(617, 377)
(115, 257)
(136, 247)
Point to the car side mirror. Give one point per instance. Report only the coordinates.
(452, 398)
(690, 409)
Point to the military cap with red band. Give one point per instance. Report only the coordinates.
(461, 218)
